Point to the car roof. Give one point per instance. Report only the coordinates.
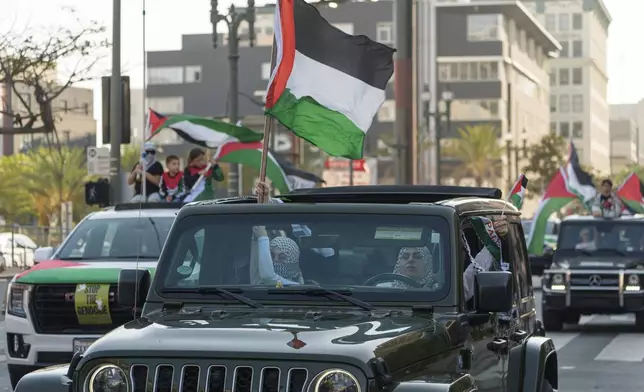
(134, 214)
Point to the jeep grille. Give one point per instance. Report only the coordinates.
(217, 378)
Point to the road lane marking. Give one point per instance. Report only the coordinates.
(560, 339)
(625, 347)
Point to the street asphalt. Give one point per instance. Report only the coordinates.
(601, 354)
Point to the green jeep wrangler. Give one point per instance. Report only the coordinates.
(335, 289)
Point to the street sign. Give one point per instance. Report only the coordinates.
(98, 161)
(334, 163)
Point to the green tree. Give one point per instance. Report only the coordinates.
(619, 177)
(479, 152)
(16, 204)
(544, 159)
(130, 156)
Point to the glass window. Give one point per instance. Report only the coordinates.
(167, 105)
(384, 32)
(577, 21)
(564, 103)
(553, 127)
(344, 27)
(484, 27)
(565, 49)
(453, 71)
(256, 251)
(564, 22)
(117, 238)
(577, 129)
(577, 103)
(601, 237)
(553, 77)
(465, 110)
(165, 75)
(193, 74)
(387, 112)
(564, 76)
(485, 71)
(443, 72)
(523, 40)
(577, 76)
(519, 257)
(463, 71)
(551, 22)
(494, 71)
(474, 71)
(266, 71)
(564, 129)
(577, 49)
(553, 103)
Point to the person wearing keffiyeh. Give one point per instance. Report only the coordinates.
(414, 263)
(277, 261)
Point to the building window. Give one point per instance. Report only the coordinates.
(564, 104)
(266, 71)
(193, 74)
(165, 75)
(443, 72)
(564, 76)
(565, 49)
(484, 27)
(577, 49)
(553, 77)
(468, 71)
(86, 109)
(387, 112)
(523, 38)
(577, 76)
(553, 103)
(578, 103)
(344, 27)
(564, 129)
(564, 22)
(577, 130)
(384, 32)
(167, 105)
(577, 21)
(553, 127)
(468, 110)
(551, 22)
(531, 49)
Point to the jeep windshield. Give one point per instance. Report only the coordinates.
(601, 237)
(268, 256)
(117, 239)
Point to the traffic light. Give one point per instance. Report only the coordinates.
(105, 95)
(97, 193)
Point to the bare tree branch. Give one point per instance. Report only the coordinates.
(28, 66)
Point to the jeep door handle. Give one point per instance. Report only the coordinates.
(519, 335)
(498, 346)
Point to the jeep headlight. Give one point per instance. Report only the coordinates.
(107, 378)
(16, 297)
(335, 380)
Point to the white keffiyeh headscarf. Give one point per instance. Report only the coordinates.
(428, 279)
(289, 269)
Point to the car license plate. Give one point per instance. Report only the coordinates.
(81, 345)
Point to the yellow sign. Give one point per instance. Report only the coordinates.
(92, 304)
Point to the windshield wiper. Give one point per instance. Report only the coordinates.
(584, 251)
(318, 291)
(217, 290)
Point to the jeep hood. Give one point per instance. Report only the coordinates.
(62, 271)
(398, 340)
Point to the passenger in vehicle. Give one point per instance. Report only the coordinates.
(277, 260)
(587, 242)
(607, 204)
(414, 263)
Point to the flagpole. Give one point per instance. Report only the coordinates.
(269, 124)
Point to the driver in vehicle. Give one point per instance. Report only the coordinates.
(586, 240)
(416, 264)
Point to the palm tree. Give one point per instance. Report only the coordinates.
(478, 152)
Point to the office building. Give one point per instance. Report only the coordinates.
(624, 144)
(635, 113)
(579, 77)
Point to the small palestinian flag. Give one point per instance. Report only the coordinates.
(203, 131)
(517, 194)
(631, 192)
(327, 85)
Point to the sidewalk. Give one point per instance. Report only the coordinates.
(9, 273)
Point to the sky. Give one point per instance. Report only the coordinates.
(167, 20)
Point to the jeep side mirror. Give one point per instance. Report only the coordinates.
(493, 291)
(43, 254)
(133, 287)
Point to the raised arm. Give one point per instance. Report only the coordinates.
(264, 269)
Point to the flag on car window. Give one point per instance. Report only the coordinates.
(631, 192)
(487, 235)
(326, 85)
(204, 131)
(517, 194)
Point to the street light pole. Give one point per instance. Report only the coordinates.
(447, 97)
(233, 20)
(116, 107)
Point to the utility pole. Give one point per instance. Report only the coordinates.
(403, 11)
(116, 107)
(233, 20)
(7, 118)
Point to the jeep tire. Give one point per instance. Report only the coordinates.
(552, 320)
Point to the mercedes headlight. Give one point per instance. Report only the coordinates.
(107, 378)
(16, 298)
(335, 380)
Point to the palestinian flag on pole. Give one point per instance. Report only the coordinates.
(555, 198)
(631, 192)
(579, 182)
(517, 194)
(327, 85)
(202, 191)
(203, 131)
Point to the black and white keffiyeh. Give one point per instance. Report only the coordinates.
(428, 279)
(290, 268)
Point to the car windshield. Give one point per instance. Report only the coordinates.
(601, 236)
(379, 257)
(117, 238)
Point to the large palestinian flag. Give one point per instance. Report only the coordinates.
(578, 181)
(555, 198)
(203, 131)
(631, 192)
(327, 85)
